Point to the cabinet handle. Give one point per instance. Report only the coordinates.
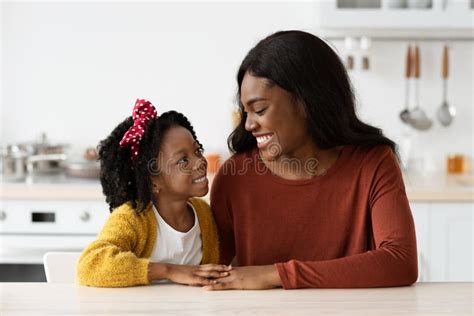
(3, 215)
(85, 216)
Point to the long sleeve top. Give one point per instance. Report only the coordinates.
(349, 228)
(120, 255)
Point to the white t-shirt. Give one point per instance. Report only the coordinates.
(176, 247)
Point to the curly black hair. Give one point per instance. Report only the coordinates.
(124, 180)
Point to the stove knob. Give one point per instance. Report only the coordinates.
(85, 216)
(3, 215)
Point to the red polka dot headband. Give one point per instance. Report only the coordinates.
(143, 112)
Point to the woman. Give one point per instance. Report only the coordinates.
(312, 197)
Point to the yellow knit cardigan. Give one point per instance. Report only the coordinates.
(121, 253)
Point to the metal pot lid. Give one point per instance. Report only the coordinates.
(43, 146)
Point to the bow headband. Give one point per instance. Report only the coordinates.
(143, 112)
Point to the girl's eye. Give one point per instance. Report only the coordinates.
(183, 160)
(261, 111)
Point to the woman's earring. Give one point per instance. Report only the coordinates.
(157, 191)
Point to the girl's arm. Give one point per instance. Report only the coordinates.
(110, 261)
(188, 274)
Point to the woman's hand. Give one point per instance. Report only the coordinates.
(248, 278)
(188, 274)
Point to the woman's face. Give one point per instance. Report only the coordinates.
(183, 169)
(274, 117)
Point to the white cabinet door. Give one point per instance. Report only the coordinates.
(451, 242)
(421, 217)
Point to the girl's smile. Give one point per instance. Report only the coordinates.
(201, 180)
(184, 168)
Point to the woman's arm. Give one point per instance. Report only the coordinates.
(393, 262)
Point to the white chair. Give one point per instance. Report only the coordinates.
(60, 267)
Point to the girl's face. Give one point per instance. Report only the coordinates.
(274, 117)
(183, 168)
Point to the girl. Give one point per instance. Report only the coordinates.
(152, 168)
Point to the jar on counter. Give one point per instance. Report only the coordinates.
(456, 164)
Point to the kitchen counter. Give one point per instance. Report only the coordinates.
(61, 298)
(53, 187)
(437, 187)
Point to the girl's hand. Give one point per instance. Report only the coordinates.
(196, 275)
(248, 278)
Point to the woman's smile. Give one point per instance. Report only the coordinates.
(263, 139)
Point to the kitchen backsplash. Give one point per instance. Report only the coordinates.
(74, 71)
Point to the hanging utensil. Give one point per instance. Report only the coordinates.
(349, 43)
(405, 113)
(445, 112)
(365, 43)
(418, 118)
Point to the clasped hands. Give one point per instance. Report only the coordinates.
(219, 277)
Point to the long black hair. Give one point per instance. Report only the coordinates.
(311, 71)
(124, 180)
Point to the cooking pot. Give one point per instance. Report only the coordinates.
(46, 163)
(82, 168)
(43, 156)
(13, 163)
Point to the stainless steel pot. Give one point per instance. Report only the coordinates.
(47, 163)
(82, 168)
(13, 163)
(45, 157)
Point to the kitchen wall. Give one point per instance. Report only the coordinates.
(74, 70)
(381, 97)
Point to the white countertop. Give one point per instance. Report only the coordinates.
(436, 187)
(439, 187)
(171, 299)
(54, 187)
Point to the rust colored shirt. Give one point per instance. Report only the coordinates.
(349, 228)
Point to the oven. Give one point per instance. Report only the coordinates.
(30, 228)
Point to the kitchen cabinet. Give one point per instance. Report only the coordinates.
(444, 234)
(451, 242)
(440, 18)
(421, 218)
